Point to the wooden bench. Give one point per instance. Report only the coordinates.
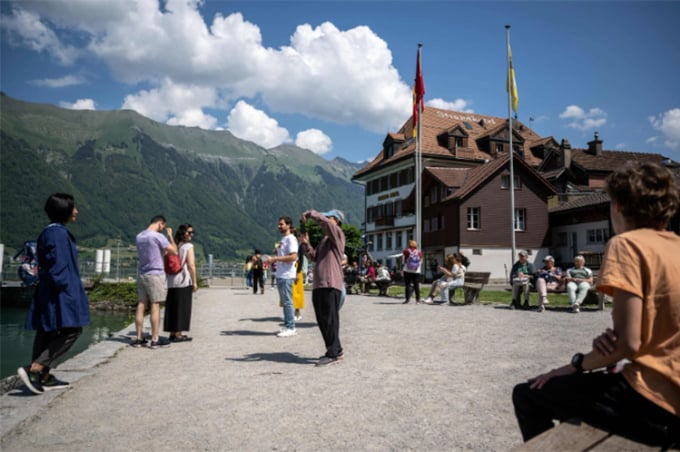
(574, 435)
(474, 283)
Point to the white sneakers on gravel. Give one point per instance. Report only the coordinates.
(287, 332)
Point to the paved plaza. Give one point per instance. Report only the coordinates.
(414, 377)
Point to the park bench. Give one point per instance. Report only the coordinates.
(574, 435)
(593, 297)
(474, 283)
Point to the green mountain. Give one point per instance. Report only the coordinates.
(124, 168)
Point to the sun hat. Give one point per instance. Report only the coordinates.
(549, 258)
(335, 213)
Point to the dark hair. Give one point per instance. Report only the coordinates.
(181, 230)
(158, 218)
(257, 251)
(286, 220)
(59, 207)
(648, 194)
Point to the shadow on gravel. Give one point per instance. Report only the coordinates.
(246, 333)
(261, 319)
(279, 357)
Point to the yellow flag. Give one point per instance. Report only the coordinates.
(511, 86)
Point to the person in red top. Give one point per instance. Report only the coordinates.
(413, 259)
(640, 272)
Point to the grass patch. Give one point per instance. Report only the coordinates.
(486, 296)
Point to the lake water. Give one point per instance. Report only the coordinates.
(16, 342)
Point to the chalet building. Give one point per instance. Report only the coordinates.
(459, 141)
(468, 209)
(560, 207)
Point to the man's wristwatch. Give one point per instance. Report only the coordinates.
(577, 362)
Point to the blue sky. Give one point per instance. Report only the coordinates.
(336, 77)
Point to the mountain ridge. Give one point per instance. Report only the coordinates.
(123, 168)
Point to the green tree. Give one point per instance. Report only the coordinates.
(352, 237)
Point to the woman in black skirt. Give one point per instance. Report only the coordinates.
(181, 287)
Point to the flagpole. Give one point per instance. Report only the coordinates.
(419, 161)
(511, 151)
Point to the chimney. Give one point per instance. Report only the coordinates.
(595, 146)
(565, 153)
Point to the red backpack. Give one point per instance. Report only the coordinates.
(172, 263)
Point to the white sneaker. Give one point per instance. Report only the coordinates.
(575, 309)
(298, 317)
(541, 308)
(427, 300)
(287, 332)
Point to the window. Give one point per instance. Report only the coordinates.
(598, 235)
(426, 225)
(399, 242)
(474, 218)
(505, 181)
(370, 243)
(434, 194)
(379, 242)
(388, 240)
(499, 147)
(441, 222)
(476, 251)
(459, 142)
(435, 224)
(520, 219)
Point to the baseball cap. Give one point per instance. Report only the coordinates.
(549, 258)
(338, 215)
(523, 253)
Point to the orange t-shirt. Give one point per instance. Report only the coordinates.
(646, 263)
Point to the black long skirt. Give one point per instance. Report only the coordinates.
(178, 309)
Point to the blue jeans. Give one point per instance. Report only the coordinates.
(285, 287)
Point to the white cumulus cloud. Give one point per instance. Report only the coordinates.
(314, 140)
(457, 105)
(584, 120)
(339, 76)
(80, 104)
(668, 123)
(175, 104)
(249, 123)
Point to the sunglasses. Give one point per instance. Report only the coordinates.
(190, 232)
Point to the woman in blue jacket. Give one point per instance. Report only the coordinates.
(59, 309)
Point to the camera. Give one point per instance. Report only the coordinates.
(303, 227)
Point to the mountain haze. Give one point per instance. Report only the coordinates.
(124, 168)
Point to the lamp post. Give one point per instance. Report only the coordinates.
(118, 260)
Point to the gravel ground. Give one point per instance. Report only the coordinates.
(415, 377)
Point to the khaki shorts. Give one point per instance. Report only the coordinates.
(152, 288)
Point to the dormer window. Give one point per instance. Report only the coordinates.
(499, 147)
(459, 142)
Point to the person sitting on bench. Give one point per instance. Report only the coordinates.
(641, 401)
(548, 278)
(520, 277)
(579, 280)
(383, 280)
(453, 275)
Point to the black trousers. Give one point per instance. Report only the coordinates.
(49, 346)
(603, 400)
(258, 278)
(412, 279)
(326, 307)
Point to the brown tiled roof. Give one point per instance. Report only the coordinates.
(436, 121)
(449, 177)
(610, 161)
(474, 177)
(582, 201)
